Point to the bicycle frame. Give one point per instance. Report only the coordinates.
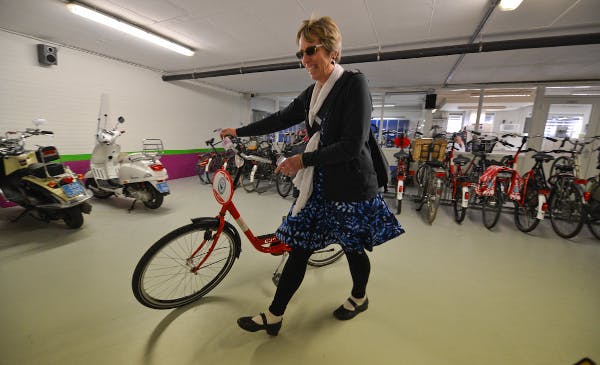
(223, 189)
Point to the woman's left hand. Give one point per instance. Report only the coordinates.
(290, 166)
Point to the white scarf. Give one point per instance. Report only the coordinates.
(304, 177)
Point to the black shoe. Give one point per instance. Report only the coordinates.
(344, 314)
(249, 325)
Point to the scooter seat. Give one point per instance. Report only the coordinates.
(54, 169)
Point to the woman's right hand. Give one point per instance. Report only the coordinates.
(228, 132)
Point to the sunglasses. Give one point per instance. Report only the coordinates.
(309, 51)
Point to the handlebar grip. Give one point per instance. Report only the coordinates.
(46, 132)
(477, 133)
(551, 139)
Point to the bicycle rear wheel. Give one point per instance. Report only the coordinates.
(459, 211)
(594, 226)
(326, 256)
(491, 207)
(566, 210)
(526, 214)
(201, 171)
(163, 277)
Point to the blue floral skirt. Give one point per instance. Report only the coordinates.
(356, 226)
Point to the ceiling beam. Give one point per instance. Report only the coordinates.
(505, 45)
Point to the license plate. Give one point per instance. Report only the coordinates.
(163, 187)
(73, 189)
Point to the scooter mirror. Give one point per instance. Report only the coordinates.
(39, 121)
(121, 120)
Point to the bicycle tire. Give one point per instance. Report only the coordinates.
(567, 211)
(201, 172)
(162, 279)
(525, 215)
(232, 169)
(491, 207)
(421, 173)
(594, 227)
(247, 184)
(459, 211)
(433, 200)
(283, 184)
(561, 160)
(326, 256)
(215, 164)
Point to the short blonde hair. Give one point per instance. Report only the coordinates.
(325, 31)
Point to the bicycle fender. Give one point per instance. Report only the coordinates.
(214, 222)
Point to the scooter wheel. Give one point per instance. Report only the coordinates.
(73, 217)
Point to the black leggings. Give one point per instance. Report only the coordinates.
(295, 268)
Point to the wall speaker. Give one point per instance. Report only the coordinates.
(430, 101)
(47, 55)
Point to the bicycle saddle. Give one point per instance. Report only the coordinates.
(543, 156)
(461, 160)
(210, 141)
(435, 163)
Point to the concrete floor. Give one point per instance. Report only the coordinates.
(440, 294)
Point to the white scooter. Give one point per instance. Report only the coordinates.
(140, 175)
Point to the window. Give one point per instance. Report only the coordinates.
(564, 125)
(455, 121)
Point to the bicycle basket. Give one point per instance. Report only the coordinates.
(484, 145)
(422, 146)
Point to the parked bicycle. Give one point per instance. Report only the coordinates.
(214, 160)
(431, 174)
(190, 261)
(529, 193)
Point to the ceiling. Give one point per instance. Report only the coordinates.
(238, 33)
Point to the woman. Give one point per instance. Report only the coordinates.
(339, 200)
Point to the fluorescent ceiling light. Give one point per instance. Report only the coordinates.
(508, 5)
(586, 94)
(385, 106)
(568, 87)
(127, 28)
(500, 96)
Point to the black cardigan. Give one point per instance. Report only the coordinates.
(344, 155)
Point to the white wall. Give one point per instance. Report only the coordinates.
(68, 95)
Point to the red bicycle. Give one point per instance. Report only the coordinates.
(190, 261)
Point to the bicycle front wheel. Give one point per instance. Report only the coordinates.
(459, 211)
(283, 184)
(326, 256)
(201, 171)
(491, 207)
(566, 210)
(526, 213)
(248, 185)
(163, 277)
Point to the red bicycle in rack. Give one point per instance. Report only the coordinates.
(190, 261)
